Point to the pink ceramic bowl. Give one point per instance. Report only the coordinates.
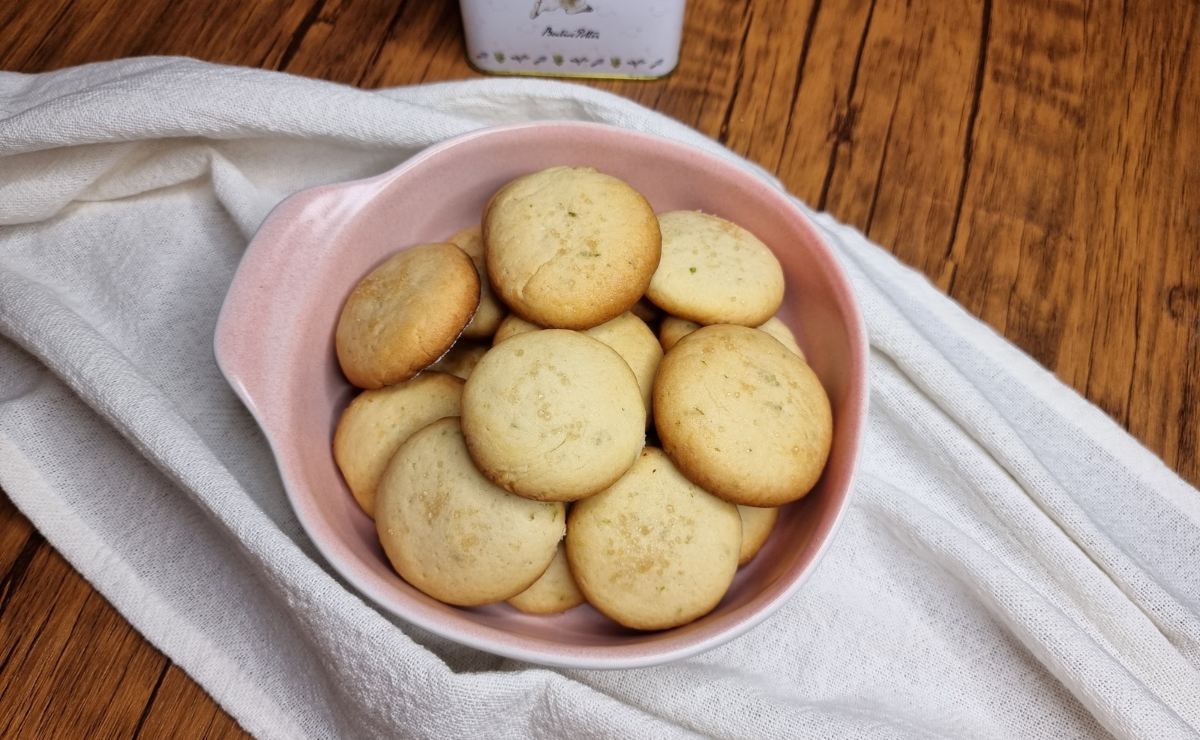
(274, 343)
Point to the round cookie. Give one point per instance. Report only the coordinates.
(454, 535)
(512, 326)
(646, 311)
(553, 415)
(714, 272)
(674, 328)
(554, 592)
(405, 314)
(569, 247)
(627, 334)
(780, 331)
(654, 550)
(461, 359)
(635, 343)
(756, 528)
(491, 311)
(377, 422)
(742, 416)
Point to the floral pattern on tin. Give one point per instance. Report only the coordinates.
(559, 60)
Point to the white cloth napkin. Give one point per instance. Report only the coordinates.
(1014, 565)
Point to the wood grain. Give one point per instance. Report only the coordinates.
(70, 666)
(1040, 162)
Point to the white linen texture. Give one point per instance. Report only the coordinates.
(1013, 565)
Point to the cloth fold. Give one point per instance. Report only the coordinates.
(1013, 564)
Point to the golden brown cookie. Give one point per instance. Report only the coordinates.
(377, 422)
(554, 592)
(756, 528)
(713, 271)
(405, 314)
(553, 415)
(635, 343)
(780, 331)
(461, 359)
(627, 334)
(674, 328)
(654, 550)
(570, 247)
(646, 311)
(491, 311)
(512, 326)
(742, 416)
(454, 535)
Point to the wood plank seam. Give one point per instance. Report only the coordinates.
(16, 574)
(887, 140)
(843, 126)
(1133, 373)
(23, 717)
(391, 27)
(747, 19)
(314, 12)
(969, 143)
(805, 45)
(1188, 439)
(1184, 60)
(137, 729)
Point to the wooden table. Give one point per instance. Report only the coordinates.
(1040, 162)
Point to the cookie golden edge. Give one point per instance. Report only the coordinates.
(554, 592)
(628, 292)
(514, 475)
(589, 514)
(753, 304)
(400, 554)
(673, 328)
(357, 420)
(757, 525)
(491, 310)
(456, 296)
(697, 465)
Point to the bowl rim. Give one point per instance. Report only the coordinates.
(589, 657)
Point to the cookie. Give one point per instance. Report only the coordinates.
(756, 528)
(635, 343)
(742, 416)
(570, 248)
(491, 311)
(512, 326)
(780, 331)
(674, 328)
(461, 359)
(553, 415)
(377, 422)
(405, 314)
(454, 535)
(627, 334)
(654, 550)
(646, 311)
(714, 272)
(554, 592)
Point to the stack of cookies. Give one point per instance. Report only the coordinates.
(518, 469)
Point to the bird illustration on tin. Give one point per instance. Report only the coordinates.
(570, 7)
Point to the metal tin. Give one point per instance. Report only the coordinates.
(574, 38)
